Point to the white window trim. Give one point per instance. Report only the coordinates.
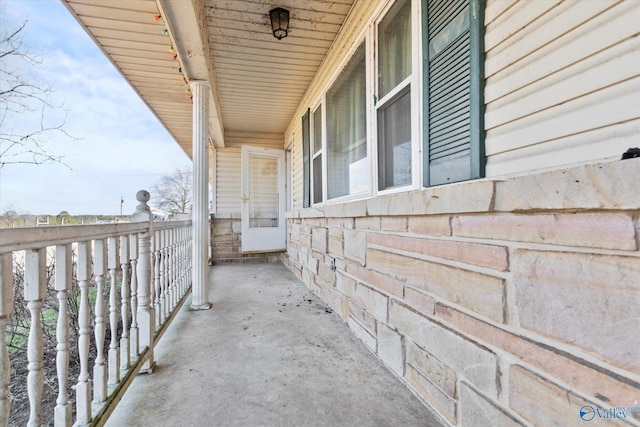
(289, 182)
(366, 39)
(414, 80)
(318, 104)
(369, 37)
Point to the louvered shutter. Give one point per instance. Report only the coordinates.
(306, 160)
(453, 76)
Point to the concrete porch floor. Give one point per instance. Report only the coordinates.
(267, 354)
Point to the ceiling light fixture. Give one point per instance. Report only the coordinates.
(279, 22)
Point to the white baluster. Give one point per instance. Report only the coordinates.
(64, 269)
(164, 283)
(183, 270)
(164, 274)
(135, 336)
(35, 289)
(183, 265)
(114, 351)
(156, 289)
(186, 250)
(166, 278)
(99, 366)
(168, 281)
(178, 238)
(179, 268)
(83, 388)
(187, 261)
(125, 359)
(172, 270)
(145, 314)
(6, 309)
(189, 266)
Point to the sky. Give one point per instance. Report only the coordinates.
(118, 145)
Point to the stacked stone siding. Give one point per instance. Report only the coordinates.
(515, 301)
(226, 243)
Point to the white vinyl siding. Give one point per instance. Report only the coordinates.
(296, 154)
(228, 169)
(229, 184)
(562, 83)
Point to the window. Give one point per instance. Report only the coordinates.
(414, 88)
(347, 161)
(394, 114)
(316, 164)
(306, 163)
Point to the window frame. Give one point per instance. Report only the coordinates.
(414, 82)
(319, 105)
(363, 40)
(418, 86)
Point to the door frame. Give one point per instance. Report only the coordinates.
(268, 239)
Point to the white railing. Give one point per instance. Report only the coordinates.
(89, 285)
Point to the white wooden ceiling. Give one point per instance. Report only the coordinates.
(257, 80)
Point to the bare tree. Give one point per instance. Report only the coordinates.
(10, 218)
(174, 191)
(20, 95)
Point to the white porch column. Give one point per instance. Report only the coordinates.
(200, 91)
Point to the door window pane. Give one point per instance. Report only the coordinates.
(347, 167)
(263, 192)
(394, 47)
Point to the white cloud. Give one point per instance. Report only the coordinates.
(121, 147)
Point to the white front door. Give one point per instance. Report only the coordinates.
(263, 200)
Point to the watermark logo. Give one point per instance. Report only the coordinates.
(589, 413)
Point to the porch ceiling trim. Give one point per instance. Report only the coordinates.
(257, 82)
(186, 26)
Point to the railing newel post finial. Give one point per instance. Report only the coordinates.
(145, 313)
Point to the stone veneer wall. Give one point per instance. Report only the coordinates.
(226, 243)
(512, 302)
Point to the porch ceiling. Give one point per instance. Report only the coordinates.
(257, 80)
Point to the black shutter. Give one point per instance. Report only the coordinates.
(306, 160)
(453, 143)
